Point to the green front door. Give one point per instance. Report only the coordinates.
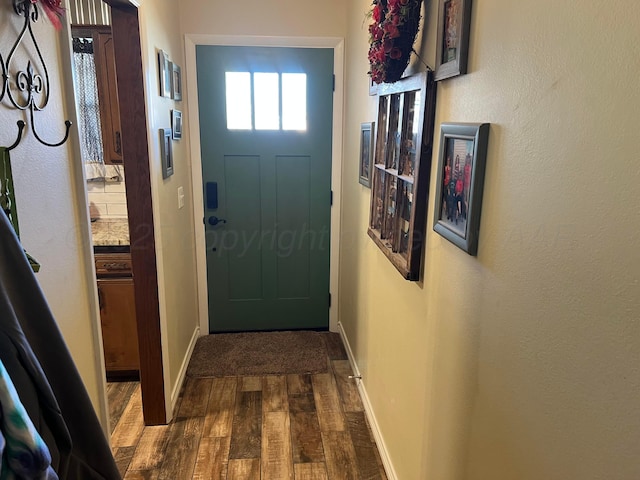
(265, 133)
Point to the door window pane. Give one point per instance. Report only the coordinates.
(294, 101)
(264, 109)
(238, 93)
(266, 91)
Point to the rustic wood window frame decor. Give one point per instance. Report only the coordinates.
(401, 170)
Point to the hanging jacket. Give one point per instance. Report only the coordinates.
(45, 377)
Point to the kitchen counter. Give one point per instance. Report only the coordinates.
(111, 232)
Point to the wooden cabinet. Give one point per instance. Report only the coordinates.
(118, 314)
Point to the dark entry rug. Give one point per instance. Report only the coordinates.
(262, 353)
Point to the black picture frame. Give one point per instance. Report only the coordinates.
(367, 147)
(176, 124)
(166, 152)
(460, 183)
(452, 50)
(176, 82)
(164, 72)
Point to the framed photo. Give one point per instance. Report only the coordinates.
(454, 20)
(166, 152)
(176, 124)
(176, 82)
(461, 166)
(164, 70)
(367, 147)
(373, 87)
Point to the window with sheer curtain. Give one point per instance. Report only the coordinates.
(86, 86)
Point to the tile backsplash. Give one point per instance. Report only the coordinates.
(107, 199)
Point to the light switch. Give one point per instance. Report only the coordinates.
(180, 197)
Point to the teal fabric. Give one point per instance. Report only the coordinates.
(8, 199)
(24, 453)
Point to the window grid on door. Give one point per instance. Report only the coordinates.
(266, 101)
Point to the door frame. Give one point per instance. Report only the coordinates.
(125, 25)
(337, 44)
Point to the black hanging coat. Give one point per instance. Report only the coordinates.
(46, 379)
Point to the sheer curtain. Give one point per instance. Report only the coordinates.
(86, 87)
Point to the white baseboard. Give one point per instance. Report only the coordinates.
(368, 409)
(175, 393)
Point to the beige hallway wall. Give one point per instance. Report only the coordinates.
(174, 226)
(520, 363)
(292, 18)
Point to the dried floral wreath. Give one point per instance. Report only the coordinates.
(391, 37)
(53, 9)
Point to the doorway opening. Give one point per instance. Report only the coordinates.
(128, 285)
(265, 130)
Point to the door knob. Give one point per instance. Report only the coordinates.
(213, 220)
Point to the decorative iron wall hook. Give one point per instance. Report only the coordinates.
(21, 125)
(5, 79)
(31, 91)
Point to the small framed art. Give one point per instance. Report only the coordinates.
(176, 124)
(166, 152)
(176, 82)
(452, 50)
(164, 71)
(373, 87)
(461, 167)
(367, 147)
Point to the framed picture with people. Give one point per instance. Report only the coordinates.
(461, 167)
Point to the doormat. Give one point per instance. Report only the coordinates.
(258, 353)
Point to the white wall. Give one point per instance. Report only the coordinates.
(52, 207)
(520, 363)
(292, 18)
(108, 198)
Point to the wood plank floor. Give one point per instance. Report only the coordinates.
(298, 427)
(118, 396)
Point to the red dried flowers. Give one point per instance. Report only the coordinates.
(391, 37)
(53, 9)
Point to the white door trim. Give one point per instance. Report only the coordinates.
(191, 40)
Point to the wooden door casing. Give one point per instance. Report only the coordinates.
(133, 119)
